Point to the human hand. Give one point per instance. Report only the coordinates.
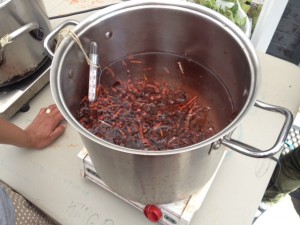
(45, 128)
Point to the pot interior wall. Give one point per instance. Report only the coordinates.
(180, 32)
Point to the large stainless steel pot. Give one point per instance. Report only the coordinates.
(180, 28)
(24, 24)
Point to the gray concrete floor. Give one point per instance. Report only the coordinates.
(287, 211)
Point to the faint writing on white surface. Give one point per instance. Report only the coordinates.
(82, 214)
(52, 176)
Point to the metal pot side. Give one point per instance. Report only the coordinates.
(21, 39)
(180, 28)
(154, 179)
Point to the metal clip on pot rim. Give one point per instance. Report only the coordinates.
(251, 151)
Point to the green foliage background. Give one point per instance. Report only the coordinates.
(252, 10)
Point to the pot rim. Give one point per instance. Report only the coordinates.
(217, 18)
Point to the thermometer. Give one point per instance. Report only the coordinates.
(94, 59)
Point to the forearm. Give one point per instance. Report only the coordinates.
(13, 135)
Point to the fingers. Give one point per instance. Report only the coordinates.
(56, 117)
(59, 130)
(46, 127)
(51, 109)
(52, 112)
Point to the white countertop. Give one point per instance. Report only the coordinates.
(50, 178)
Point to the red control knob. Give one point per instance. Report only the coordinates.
(153, 213)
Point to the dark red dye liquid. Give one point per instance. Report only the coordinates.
(155, 102)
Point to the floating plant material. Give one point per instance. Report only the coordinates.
(155, 102)
(142, 114)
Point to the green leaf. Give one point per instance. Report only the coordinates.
(240, 21)
(229, 15)
(235, 8)
(229, 1)
(230, 12)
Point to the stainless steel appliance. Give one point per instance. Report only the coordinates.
(15, 97)
(21, 39)
(24, 65)
(175, 213)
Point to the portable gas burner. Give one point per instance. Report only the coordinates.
(15, 97)
(179, 213)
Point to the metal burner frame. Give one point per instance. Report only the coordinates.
(14, 97)
(177, 213)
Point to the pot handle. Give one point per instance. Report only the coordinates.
(8, 38)
(257, 153)
(54, 32)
